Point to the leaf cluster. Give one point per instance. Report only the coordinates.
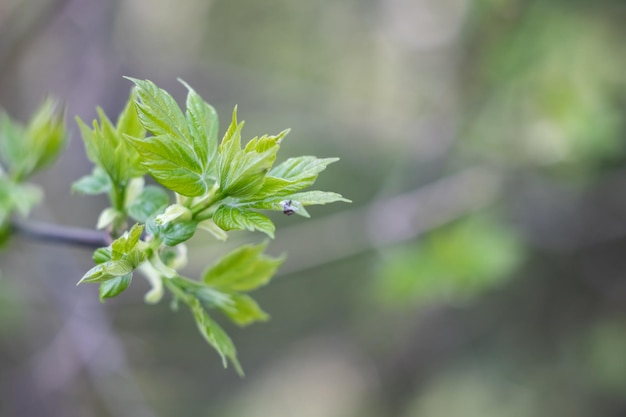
(217, 187)
(25, 150)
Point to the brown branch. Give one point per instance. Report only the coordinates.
(75, 236)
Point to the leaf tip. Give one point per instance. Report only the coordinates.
(183, 82)
(131, 79)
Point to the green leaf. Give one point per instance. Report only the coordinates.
(107, 270)
(25, 150)
(293, 175)
(148, 204)
(307, 198)
(128, 121)
(120, 258)
(243, 269)
(301, 167)
(133, 236)
(137, 256)
(215, 336)
(102, 255)
(124, 246)
(133, 189)
(234, 218)
(203, 126)
(47, 133)
(108, 217)
(12, 138)
(243, 310)
(231, 143)
(107, 148)
(182, 151)
(114, 287)
(96, 183)
(172, 233)
(173, 164)
(16, 197)
(25, 197)
(174, 213)
(158, 111)
(241, 173)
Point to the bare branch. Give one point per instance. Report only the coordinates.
(61, 234)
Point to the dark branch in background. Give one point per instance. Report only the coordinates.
(61, 234)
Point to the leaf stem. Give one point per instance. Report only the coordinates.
(177, 291)
(213, 196)
(117, 197)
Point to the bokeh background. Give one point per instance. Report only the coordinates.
(480, 271)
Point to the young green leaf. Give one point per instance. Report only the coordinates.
(301, 167)
(118, 259)
(149, 203)
(243, 269)
(215, 336)
(25, 150)
(12, 138)
(306, 198)
(309, 198)
(243, 310)
(133, 236)
(203, 126)
(102, 255)
(25, 197)
(17, 197)
(96, 183)
(107, 148)
(107, 270)
(114, 287)
(125, 245)
(128, 121)
(173, 164)
(109, 216)
(234, 218)
(171, 234)
(293, 175)
(174, 213)
(158, 111)
(241, 172)
(182, 151)
(47, 134)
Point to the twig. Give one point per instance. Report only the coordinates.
(61, 234)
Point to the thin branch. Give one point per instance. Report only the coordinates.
(61, 234)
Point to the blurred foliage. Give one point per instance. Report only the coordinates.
(476, 393)
(25, 150)
(451, 265)
(604, 356)
(549, 93)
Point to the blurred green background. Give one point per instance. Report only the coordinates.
(480, 271)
